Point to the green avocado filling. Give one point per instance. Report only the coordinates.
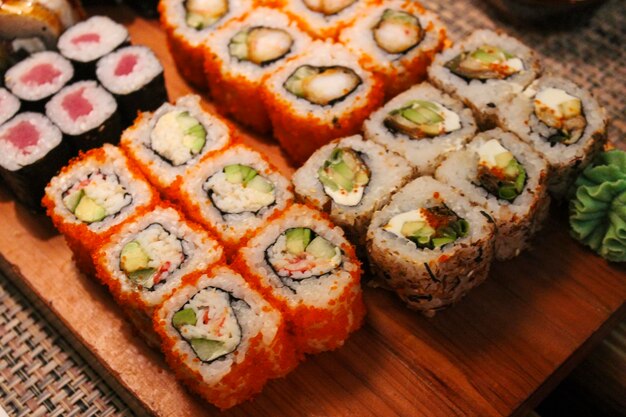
(247, 177)
(202, 14)
(417, 119)
(484, 63)
(303, 239)
(344, 170)
(442, 226)
(506, 180)
(134, 262)
(395, 22)
(184, 317)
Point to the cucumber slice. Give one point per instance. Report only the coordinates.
(260, 184)
(238, 46)
(414, 116)
(412, 228)
(294, 83)
(133, 257)
(72, 200)
(344, 170)
(489, 54)
(321, 248)
(207, 349)
(440, 241)
(326, 180)
(142, 276)
(89, 211)
(248, 174)
(297, 239)
(233, 174)
(183, 317)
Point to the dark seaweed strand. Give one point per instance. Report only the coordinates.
(430, 273)
(179, 267)
(324, 68)
(271, 61)
(419, 298)
(400, 55)
(169, 161)
(489, 218)
(231, 300)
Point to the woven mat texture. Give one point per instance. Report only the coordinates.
(40, 375)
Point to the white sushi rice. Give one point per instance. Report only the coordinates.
(145, 70)
(31, 91)
(110, 36)
(166, 237)
(9, 105)
(516, 220)
(115, 167)
(102, 102)
(320, 25)
(424, 154)
(388, 172)
(233, 227)
(485, 96)
(12, 157)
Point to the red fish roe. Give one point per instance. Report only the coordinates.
(86, 38)
(41, 74)
(126, 64)
(22, 135)
(76, 105)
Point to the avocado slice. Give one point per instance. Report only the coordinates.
(261, 184)
(89, 211)
(207, 349)
(194, 134)
(238, 46)
(233, 174)
(142, 276)
(297, 239)
(294, 83)
(412, 228)
(183, 317)
(321, 248)
(72, 200)
(133, 257)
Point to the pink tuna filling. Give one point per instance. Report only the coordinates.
(40, 74)
(76, 105)
(126, 65)
(86, 38)
(22, 135)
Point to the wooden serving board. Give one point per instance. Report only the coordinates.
(497, 353)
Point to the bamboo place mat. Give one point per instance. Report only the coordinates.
(41, 375)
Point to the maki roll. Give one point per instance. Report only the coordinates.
(422, 124)
(241, 54)
(233, 193)
(350, 179)
(93, 196)
(148, 258)
(484, 71)
(324, 19)
(31, 153)
(222, 339)
(37, 78)
(430, 245)
(305, 266)
(563, 122)
(86, 114)
(9, 105)
(397, 40)
(166, 143)
(88, 41)
(506, 177)
(319, 96)
(188, 23)
(134, 76)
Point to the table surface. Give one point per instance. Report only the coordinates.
(496, 353)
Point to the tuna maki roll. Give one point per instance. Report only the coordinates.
(563, 122)
(508, 179)
(88, 41)
(167, 143)
(9, 105)
(86, 114)
(134, 76)
(233, 193)
(422, 124)
(37, 78)
(350, 179)
(396, 39)
(484, 71)
(305, 266)
(430, 245)
(31, 153)
(222, 339)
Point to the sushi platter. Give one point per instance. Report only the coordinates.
(499, 352)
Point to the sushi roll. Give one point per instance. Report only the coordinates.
(9, 105)
(31, 153)
(166, 143)
(222, 339)
(28, 19)
(93, 196)
(188, 23)
(397, 40)
(319, 96)
(37, 78)
(422, 124)
(241, 54)
(305, 266)
(350, 179)
(323, 19)
(148, 258)
(506, 177)
(86, 114)
(430, 245)
(233, 193)
(485, 70)
(88, 41)
(563, 122)
(134, 76)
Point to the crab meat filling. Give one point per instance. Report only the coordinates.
(322, 85)
(485, 63)
(344, 176)
(397, 32)
(422, 119)
(562, 115)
